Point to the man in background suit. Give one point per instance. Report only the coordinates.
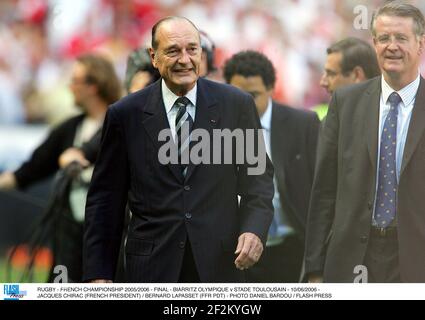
(349, 61)
(187, 224)
(291, 138)
(366, 218)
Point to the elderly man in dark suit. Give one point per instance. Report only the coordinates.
(187, 224)
(367, 216)
(291, 139)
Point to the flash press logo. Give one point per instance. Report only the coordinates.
(12, 292)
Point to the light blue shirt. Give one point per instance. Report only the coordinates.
(170, 98)
(266, 123)
(405, 108)
(280, 227)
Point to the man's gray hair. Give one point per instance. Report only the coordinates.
(401, 9)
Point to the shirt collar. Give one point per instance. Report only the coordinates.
(266, 118)
(407, 94)
(170, 98)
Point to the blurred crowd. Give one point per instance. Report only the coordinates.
(40, 38)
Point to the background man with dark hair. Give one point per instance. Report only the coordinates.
(291, 137)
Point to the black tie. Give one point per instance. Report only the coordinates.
(184, 124)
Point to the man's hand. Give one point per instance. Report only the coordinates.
(8, 181)
(70, 155)
(249, 251)
(101, 281)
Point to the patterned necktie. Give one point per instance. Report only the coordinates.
(184, 124)
(385, 209)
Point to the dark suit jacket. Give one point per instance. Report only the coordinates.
(293, 142)
(169, 210)
(345, 185)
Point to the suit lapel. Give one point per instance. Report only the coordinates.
(278, 132)
(371, 103)
(207, 114)
(416, 127)
(156, 120)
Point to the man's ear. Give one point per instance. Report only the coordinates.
(359, 74)
(152, 55)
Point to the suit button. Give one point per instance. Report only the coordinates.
(182, 245)
(363, 239)
(187, 188)
(188, 215)
(298, 157)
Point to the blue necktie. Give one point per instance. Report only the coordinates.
(385, 209)
(184, 124)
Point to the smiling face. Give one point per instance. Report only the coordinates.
(398, 49)
(178, 55)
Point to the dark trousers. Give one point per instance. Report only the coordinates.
(189, 272)
(279, 264)
(381, 259)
